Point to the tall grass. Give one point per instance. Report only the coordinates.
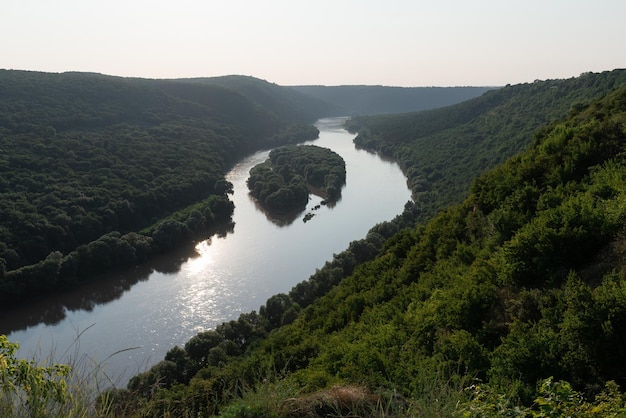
(44, 387)
(436, 394)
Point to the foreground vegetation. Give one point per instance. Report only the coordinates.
(509, 303)
(281, 184)
(28, 389)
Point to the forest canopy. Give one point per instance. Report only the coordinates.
(100, 172)
(282, 183)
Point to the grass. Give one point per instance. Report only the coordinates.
(438, 396)
(46, 388)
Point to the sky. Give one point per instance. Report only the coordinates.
(326, 42)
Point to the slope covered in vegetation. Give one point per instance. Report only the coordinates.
(288, 101)
(522, 281)
(99, 172)
(442, 150)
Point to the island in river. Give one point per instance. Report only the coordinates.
(283, 182)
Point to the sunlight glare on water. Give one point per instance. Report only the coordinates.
(202, 262)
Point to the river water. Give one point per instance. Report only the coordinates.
(128, 322)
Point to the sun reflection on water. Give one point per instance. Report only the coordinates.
(196, 265)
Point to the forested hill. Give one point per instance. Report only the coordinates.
(442, 150)
(511, 303)
(373, 100)
(281, 100)
(88, 161)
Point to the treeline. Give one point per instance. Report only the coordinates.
(281, 184)
(469, 313)
(89, 161)
(442, 150)
(115, 251)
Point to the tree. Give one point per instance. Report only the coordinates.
(198, 347)
(275, 308)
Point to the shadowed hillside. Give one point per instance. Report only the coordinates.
(280, 100)
(100, 172)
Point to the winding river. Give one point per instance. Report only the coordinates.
(128, 322)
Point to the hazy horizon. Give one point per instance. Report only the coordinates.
(396, 43)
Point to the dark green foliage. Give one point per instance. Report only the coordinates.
(279, 310)
(108, 171)
(281, 184)
(523, 280)
(287, 102)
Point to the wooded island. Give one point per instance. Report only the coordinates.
(281, 184)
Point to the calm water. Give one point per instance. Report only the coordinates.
(128, 322)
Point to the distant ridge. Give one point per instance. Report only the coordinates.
(280, 100)
(372, 100)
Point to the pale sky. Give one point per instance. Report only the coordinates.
(329, 42)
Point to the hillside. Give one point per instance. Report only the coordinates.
(287, 101)
(522, 281)
(99, 172)
(442, 150)
(374, 100)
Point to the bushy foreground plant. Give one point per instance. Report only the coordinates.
(31, 390)
(556, 399)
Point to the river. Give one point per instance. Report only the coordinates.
(129, 321)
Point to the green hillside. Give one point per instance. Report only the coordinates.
(511, 302)
(442, 150)
(281, 100)
(100, 172)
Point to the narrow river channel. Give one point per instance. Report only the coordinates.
(128, 322)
